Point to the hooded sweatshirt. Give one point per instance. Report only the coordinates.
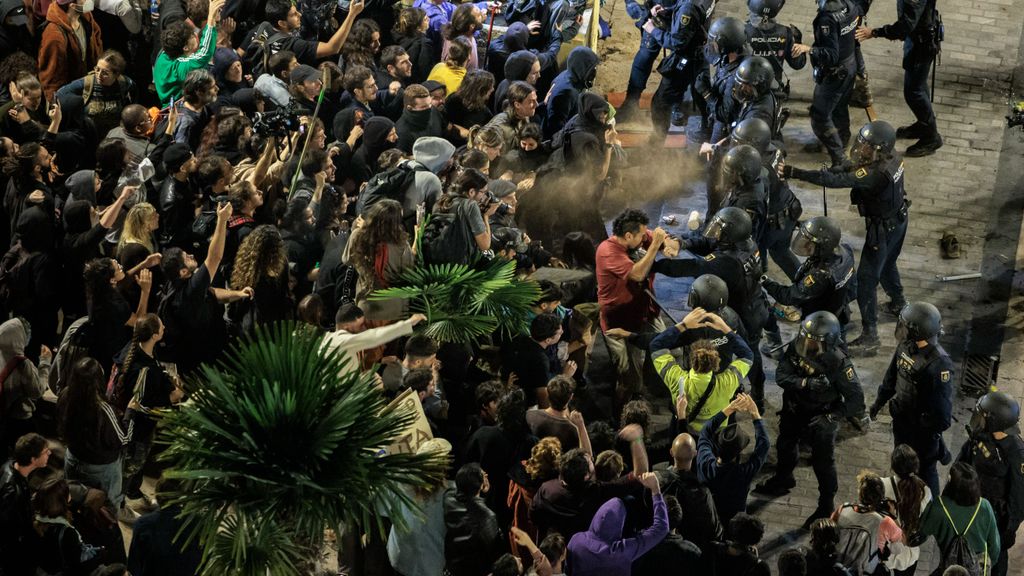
(432, 153)
(602, 551)
(517, 67)
(25, 384)
(416, 124)
(375, 142)
(61, 57)
(82, 186)
(501, 48)
(563, 99)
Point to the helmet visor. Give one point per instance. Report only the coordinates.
(862, 153)
(743, 91)
(802, 245)
(808, 347)
(978, 424)
(711, 50)
(714, 229)
(902, 332)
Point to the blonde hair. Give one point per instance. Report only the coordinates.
(489, 136)
(136, 227)
(543, 462)
(704, 357)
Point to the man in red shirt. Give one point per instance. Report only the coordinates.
(621, 285)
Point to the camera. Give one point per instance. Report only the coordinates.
(1016, 117)
(487, 200)
(277, 123)
(663, 21)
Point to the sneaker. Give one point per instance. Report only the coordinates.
(819, 512)
(776, 486)
(894, 307)
(127, 516)
(915, 131)
(865, 345)
(142, 504)
(924, 147)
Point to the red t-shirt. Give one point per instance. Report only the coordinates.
(624, 304)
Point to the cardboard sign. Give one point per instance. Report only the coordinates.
(418, 432)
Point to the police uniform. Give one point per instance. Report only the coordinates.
(774, 42)
(834, 67)
(1000, 466)
(722, 106)
(650, 46)
(784, 210)
(740, 267)
(767, 108)
(877, 191)
(919, 388)
(916, 27)
(753, 200)
(820, 284)
(684, 60)
(817, 394)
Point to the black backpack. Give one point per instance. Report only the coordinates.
(957, 552)
(266, 42)
(390, 184)
(446, 238)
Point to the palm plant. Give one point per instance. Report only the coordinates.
(279, 441)
(464, 302)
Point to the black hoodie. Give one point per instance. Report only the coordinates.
(517, 67)
(81, 244)
(579, 73)
(415, 124)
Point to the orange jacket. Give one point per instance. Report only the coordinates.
(60, 55)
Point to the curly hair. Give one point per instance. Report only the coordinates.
(136, 227)
(704, 357)
(262, 253)
(409, 22)
(382, 224)
(175, 37)
(543, 463)
(97, 274)
(463, 22)
(358, 49)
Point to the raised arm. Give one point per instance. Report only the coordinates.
(333, 46)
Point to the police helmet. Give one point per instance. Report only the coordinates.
(875, 139)
(726, 35)
(742, 165)
(752, 132)
(765, 8)
(818, 236)
(753, 78)
(730, 225)
(918, 321)
(995, 412)
(708, 292)
(819, 332)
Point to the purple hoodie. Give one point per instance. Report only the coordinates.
(602, 551)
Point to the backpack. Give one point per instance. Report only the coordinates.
(858, 540)
(957, 552)
(390, 184)
(73, 348)
(261, 48)
(446, 238)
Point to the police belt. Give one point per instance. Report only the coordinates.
(839, 71)
(791, 213)
(889, 220)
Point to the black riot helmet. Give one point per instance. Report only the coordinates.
(875, 141)
(752, 132)
(730, 225)
(918, 321)
(817, 237)
(726, 35)
(753, 79)
(741, 165)
(995, 412)
(765, 8)
(819, 333)
(708, 292)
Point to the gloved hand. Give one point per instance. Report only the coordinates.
(875, 409)
(860, 423)
(824, 421)
(818, 383)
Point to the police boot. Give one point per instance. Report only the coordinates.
(866, 344)
(914, 131)
(679, 116)
(819, 512)
(813, 147)
(776, 486)
(894, 306)
(840, 163)
(772, 345)
(925, 146)
(628, 111)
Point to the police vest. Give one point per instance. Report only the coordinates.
(749, 299)
(806, 400)
(886, 198)
(994, 467)
(845, 16)
(836, 271)
(771, 42)
(914, 381)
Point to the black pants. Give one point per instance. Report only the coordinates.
(915, 89)
(929, 447)
(670, 95)
(830, 116)
(821, 435)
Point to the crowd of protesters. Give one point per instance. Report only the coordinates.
(178, 173)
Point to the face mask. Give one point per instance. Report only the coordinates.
(86, 6)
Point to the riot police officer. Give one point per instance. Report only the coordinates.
(996, 451)
(919, 383)
(820, 283)
(784, 208)
(731, 254)
(820, 389)
(917, 25)
(679, 68)
(877, 190)
(774, 41)
(834, 68)
(725, 48)
(752, 88)
(659, 14)
(744, 181)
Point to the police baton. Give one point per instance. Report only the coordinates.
(660, 306)
(824, 194)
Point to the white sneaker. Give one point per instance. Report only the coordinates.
(141, 505)
(127, 516)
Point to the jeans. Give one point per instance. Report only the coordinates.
(105, 477)
(915, 92)
(830, 116)
(643, 64)
(878, 265)
(821, 435)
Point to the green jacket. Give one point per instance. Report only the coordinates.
(169, 73)
(983, 535)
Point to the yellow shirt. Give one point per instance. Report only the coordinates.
(450, 76)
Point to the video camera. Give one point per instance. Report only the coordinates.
(277, 123)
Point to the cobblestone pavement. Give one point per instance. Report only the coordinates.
(951, 191)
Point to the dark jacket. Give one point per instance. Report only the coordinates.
(153, 551)
(177, 213)
(472, 540)
(415, 124)
(729, 482)
(517, 67)
(563, 99)
(421, 52)
(16, 533)
(700, 518)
